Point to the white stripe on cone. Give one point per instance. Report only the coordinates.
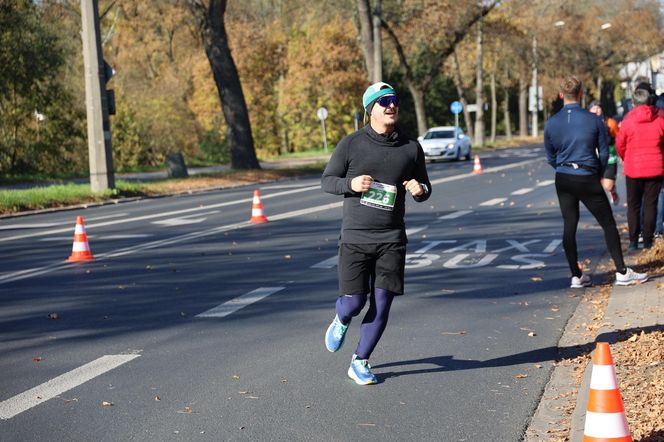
(603, 378)
(606, 425)
(256, 212)
(80, 247)
(79, 229)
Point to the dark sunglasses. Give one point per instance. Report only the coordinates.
(386, 100)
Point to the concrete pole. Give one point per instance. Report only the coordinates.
(535, 111)
(378, 44)
(99, 131)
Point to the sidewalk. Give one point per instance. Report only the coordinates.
(632, 316)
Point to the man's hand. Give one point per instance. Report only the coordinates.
(608, 184)
(414, 187)
(361, 183)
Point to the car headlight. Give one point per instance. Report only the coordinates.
(450, 146)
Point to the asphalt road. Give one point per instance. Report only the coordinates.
(193, 324)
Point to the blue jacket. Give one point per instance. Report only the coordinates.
(575, 136)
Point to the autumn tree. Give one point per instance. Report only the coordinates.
(39, 126)
(211, 26)
(420, 52)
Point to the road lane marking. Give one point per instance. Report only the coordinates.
(545, 183)
(326, 264)
(455, 215)
(60, 223)
(522, 191)
(493, 202)
(184, 220)
(100, 237)
(114, 215)
(236, 304)
(56, 386)
(89, 226)
(27, 273)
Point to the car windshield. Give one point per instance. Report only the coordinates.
(434, 134)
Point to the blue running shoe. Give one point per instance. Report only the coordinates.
(335, 334)
(360, 372)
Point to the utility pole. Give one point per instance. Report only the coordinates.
(377, 44)
(97, 73)
(535, 106)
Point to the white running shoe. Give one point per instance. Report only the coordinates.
(579, 283)
(630, 277)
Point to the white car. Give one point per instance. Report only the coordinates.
(445, 143)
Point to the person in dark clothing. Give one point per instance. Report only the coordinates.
(373, 168)
(576, 147)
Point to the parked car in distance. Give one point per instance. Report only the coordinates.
(445, 143)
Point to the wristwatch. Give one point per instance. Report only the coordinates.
(425, 188)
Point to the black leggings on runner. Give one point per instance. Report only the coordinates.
(586, 188)
(374, 322)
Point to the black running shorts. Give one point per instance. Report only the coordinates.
(361, 265)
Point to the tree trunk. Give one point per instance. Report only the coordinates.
(479, 87)
(377, 44)
(523, 107)
(494, 107)
(215, 41)
(506, 114)
(366, 36)
(283, 127)
(420, 112)
(462, 97)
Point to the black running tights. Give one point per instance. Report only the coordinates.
(587, 189)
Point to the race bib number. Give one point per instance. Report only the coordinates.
(381, 196)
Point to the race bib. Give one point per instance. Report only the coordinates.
(381, 196)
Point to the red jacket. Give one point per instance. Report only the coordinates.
(640, 142)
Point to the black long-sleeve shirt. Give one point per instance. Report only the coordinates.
(389, 159)
(574, 135)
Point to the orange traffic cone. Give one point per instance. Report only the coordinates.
(257, 216)
(605, 418)
(477, 167)
(80, 250)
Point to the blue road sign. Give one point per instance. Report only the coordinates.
(456, 107)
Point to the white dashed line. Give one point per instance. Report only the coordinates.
(457, 214)
(236, 304)
(545, 183)
(56, 386)
(493, 202)
(522, 191)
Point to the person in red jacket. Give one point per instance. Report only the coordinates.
(640, 144)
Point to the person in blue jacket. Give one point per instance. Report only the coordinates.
(576, 143)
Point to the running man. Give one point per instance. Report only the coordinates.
(373, 168)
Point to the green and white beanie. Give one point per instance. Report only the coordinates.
(373, 93)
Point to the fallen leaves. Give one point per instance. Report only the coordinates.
(37, 359)
(106, 404)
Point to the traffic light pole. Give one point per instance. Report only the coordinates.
(99, 129)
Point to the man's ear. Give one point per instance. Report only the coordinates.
(560, 94)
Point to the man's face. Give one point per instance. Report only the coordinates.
(385, 111)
